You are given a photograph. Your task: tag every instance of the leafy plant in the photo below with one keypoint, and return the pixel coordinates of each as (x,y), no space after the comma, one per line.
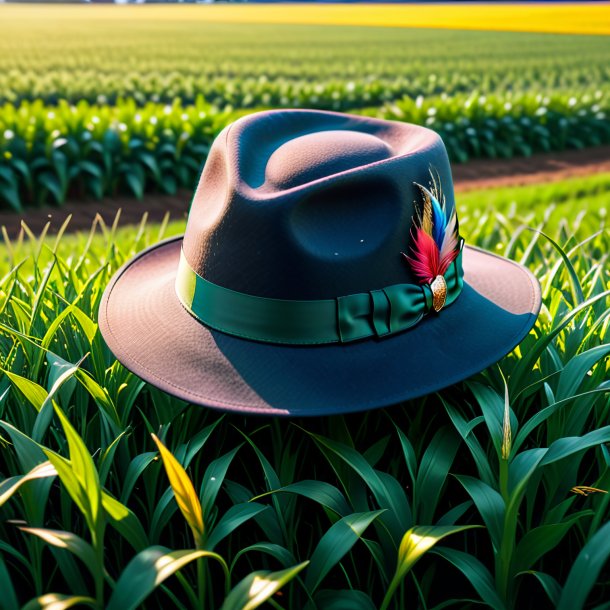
(53,153)
(231,512)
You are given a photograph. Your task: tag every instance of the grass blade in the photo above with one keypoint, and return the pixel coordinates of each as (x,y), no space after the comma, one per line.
(256,588)
(147,570)
(184,492)
(335,543)
(586,569)
(414,544)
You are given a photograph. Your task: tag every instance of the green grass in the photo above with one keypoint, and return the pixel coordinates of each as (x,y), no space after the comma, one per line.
(364,511)
(574,205)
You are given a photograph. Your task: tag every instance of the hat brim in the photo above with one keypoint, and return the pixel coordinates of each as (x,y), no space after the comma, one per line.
(151,333)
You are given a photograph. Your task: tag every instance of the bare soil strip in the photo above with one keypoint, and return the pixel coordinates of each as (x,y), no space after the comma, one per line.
(478,174)
(541,168)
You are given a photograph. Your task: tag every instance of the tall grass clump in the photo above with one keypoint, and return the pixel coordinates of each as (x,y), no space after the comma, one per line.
(492,492)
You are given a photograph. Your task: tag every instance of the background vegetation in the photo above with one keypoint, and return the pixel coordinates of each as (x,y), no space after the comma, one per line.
(69,55)
(95,106)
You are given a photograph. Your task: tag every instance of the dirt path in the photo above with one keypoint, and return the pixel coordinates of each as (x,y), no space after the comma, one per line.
(479,174)
(546,167)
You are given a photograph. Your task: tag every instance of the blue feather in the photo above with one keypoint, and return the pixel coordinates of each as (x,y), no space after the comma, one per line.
(439,222)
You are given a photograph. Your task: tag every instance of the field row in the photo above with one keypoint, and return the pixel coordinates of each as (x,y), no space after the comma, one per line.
(51,153)
(290,89)
(246,66)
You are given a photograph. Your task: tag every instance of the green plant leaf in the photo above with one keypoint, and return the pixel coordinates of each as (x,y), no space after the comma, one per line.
(465,429)
(490,505)
(10,194)
(475,572)
(432,473)
(577,293)
(136,467)
(213,478)
(69,541)
(585,570)
(58,601)
(398,513)
(105,461)
(45,415)
(408,452)
(79,476)
(572,375)
(258,587)
(49,182)
(540,540)
(125,522)
(34,393)
(323,493)
(102,399)
(336,542)
(492,407)
(414,544)
(9,486)
(551,587)
(231,520)
(9,596)
(564,447)
(136,182)
(147,570)
(346,599)
(283,555)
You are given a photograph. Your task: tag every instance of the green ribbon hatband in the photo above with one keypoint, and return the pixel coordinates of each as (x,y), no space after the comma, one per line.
(376,313)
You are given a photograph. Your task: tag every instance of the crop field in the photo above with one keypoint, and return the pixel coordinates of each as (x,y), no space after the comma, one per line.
(496,488)
(96,101)
(77,53)
(113,495)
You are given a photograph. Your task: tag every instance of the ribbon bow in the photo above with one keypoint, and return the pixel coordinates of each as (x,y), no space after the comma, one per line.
(394,309)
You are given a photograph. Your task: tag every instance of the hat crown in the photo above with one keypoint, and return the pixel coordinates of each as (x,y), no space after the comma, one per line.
(297,204)
(323,153)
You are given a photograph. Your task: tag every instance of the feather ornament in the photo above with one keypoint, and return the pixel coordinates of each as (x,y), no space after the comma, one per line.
(435,239)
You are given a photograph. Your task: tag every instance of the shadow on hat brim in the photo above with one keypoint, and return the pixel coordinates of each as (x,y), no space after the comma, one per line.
(150,333)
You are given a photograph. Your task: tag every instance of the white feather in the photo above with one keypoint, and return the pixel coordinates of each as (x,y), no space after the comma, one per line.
(450,239)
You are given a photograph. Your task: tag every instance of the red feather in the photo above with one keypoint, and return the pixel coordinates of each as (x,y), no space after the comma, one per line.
(446,261)
(425,260)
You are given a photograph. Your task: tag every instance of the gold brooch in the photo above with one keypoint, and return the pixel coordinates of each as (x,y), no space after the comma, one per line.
(439,292)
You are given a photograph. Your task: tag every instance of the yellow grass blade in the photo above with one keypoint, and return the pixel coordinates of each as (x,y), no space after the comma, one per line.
(185,494)
(584,490)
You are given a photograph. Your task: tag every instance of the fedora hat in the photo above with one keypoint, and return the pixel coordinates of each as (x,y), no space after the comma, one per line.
(321,271)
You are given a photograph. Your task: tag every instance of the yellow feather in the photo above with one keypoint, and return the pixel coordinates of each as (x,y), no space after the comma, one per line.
(426,217)
(437,189)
